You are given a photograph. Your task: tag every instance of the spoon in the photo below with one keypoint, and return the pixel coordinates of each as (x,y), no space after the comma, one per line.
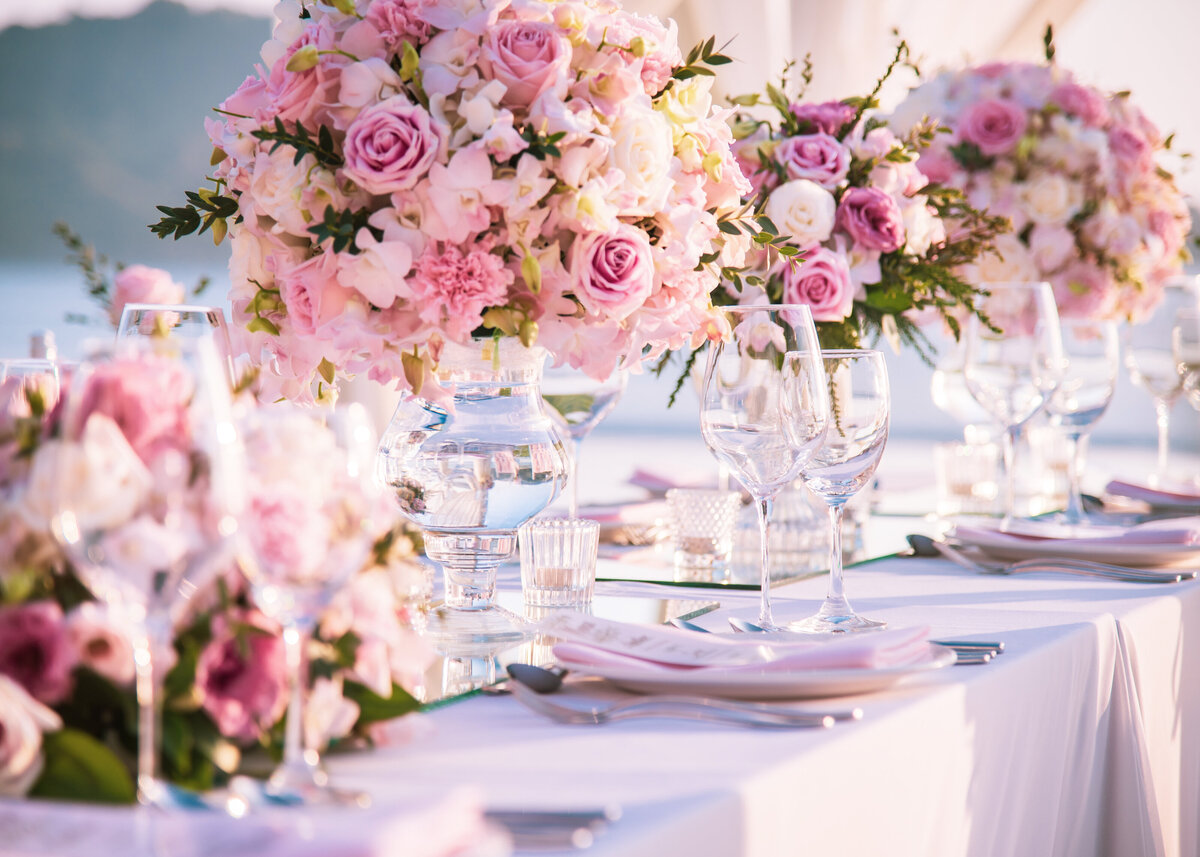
(685,625)
(537,679)
(922,545)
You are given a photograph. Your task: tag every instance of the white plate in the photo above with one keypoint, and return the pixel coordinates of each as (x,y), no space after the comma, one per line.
(744,684)
(1006,548)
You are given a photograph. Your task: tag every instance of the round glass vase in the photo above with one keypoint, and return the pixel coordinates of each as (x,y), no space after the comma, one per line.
(470,472)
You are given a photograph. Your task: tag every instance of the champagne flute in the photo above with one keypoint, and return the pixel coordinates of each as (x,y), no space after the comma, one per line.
(582,402)
(743,415)
(860,409)
(163,322)
(314,509)
(1013,362)
(1092,352)
(149,479)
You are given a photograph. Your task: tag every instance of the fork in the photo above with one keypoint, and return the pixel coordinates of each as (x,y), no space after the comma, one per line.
(687,707)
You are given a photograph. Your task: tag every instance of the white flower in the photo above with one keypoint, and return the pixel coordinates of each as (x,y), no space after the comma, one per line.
(642,150)
(22,721)
(447,62)
(802,210)
(922,227)
(686,103)
(1050,198)
(481,109)
(1010,262)
(293,195)
(327,713)
(368,82)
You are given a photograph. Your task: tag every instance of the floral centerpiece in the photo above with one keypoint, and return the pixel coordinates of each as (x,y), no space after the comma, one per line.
(399,174)
(868,242)
(1079,172)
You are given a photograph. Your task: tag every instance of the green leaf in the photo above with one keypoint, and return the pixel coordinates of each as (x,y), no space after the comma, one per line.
(258,323)
(374,708)
(728,228)
(78,767)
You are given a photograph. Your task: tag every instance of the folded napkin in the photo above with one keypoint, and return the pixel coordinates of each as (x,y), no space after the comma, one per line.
(587,641)
(661,483)
(1168,532)
(1153,496)
(646,512)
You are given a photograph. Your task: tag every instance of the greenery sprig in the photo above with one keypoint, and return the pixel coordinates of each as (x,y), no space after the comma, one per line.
(206,209)
(321,147)
(341,226)
(698,60)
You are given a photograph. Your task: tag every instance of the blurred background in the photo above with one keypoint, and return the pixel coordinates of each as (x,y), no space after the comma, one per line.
(103,102)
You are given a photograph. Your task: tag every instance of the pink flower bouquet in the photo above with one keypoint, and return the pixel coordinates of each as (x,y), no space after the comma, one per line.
(1078,172)
(398,174)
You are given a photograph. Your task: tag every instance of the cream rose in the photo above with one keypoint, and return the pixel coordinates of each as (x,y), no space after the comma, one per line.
(642,151)
(22,721)
(1010,262)
(802,210)
(1050,198)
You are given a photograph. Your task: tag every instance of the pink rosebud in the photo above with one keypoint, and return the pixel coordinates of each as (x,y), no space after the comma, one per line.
(822,282)
(528,57)
(828,117)
(391,146)
(612,273)
(872,218)
(138,284)
(243,683)
(35,651)
(1082,101)
(819,158)
(995,125)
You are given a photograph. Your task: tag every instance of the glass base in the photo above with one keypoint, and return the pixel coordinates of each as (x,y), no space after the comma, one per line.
(457,632)
(310,787)
(163,794)
(836,619)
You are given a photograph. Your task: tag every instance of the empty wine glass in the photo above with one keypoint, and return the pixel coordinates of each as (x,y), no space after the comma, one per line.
(1151,366)
(582,402)
(313,512)
(1185,348)
(1013,362)
(162,322)
(744,418)
(1093,357)
(845,461)
(148,477)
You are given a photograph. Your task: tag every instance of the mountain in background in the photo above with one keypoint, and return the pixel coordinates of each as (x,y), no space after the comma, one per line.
(101,120)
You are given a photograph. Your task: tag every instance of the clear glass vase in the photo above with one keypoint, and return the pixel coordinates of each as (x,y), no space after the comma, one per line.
(469,474)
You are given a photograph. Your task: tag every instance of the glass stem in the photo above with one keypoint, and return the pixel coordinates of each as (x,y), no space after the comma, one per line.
(837,588)
(295,760)
(157,632)
(1010,473)
(765,506)
(573,492)
(1073,514)
(1162,417)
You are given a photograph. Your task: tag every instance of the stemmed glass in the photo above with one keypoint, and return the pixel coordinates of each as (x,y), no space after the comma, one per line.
(1093,356)
(1013,362)
(149,487)
(582,402)
(860,409)
(744,418)
(1185,348)
(161,322)
(1151,366)
(313,513)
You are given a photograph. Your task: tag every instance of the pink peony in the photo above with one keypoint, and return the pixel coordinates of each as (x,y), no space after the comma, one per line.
(35,651)
(828,117)
(822,282)
(872,218)
(817,157)
(1082,101)
(612,273)
(453,289)
(995,125)
(391,146)
(528,57)
(138,284)
(242,678)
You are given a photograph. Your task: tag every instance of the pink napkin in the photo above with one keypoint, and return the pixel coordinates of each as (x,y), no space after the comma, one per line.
(1153,496)
(766,653)
(1172,531)
(661,483)
(626,513)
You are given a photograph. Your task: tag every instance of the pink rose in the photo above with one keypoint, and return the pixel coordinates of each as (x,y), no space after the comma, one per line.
(391,146)
(872,218)
(822,282)
(828,117)
(242,677)
(311,293)
(138,284)
(1170,228)
(1081,101)
(1130,148)
(1051,245)
(817,157)
(100,643)
(398,21)
(937,164)
(995,125)
(528,57)
(1084,290)
(612,273)
(146,397)
(295,96)
(34,650)
(453,289)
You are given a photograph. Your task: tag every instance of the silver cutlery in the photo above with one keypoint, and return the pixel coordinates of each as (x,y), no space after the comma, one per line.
(538,830)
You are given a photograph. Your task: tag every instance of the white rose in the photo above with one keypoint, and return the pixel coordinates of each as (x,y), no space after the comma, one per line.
(1010,262)
(642,150)
(686,102)
(1052,245)
(293,195)
(802,210)
(22,721)
(1050,198)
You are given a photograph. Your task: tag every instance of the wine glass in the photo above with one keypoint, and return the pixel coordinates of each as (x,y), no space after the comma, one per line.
(582,402)
(860,409)
(1013,362)
(744,417)
(313,513)
(149,489)
(1093,356)
(1185,348)
(163,322)
(1151,366)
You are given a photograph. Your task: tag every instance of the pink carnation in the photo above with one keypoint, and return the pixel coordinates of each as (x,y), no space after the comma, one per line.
(1081,101)
(828,117)
(35,651)
(242,677)
(817,157)
(453,289)
(822,282)
(139,284)
(995,125)
(872,218)
(398,21)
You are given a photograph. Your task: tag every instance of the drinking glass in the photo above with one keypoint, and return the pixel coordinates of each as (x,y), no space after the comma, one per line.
(744,418)
(1185,347)
(582,402)
(314,511)
(845,461)
(1093,357)
(164,322)
(1151,366)
(150,485)
(1013,362)
(30,386)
